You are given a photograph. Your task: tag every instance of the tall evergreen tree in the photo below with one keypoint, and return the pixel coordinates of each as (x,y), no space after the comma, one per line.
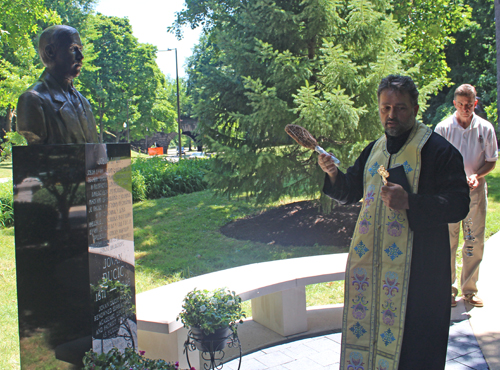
(265,64)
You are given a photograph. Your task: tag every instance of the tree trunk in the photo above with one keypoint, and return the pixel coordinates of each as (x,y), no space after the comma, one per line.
(497,28)
(8,119)
(101,125)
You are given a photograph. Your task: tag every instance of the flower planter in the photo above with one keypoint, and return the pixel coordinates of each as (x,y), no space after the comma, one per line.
(213,342)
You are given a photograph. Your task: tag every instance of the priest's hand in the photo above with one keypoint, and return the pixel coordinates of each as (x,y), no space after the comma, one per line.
(328,166)
(394,196)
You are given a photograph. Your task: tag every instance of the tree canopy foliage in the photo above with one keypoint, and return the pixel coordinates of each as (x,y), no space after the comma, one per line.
(18,59)
(430,27)
(471,59)
(123,82)
(317,63)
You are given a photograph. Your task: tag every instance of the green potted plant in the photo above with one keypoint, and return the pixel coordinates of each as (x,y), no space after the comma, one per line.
(127,360)
(211,317)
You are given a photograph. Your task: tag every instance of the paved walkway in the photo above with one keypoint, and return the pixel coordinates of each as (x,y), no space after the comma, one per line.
(323,352)
(474,341)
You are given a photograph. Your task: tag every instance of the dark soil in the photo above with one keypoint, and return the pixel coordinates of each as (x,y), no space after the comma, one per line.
(297,224)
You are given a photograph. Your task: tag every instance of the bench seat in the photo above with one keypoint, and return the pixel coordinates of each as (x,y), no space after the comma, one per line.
(275,288)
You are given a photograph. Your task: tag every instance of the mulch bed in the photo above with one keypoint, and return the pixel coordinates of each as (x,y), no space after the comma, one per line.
(297,224)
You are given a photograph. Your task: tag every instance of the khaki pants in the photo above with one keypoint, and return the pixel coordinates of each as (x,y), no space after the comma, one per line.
(473,231)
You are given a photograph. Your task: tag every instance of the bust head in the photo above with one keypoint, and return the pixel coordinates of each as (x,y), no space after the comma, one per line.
(60,49)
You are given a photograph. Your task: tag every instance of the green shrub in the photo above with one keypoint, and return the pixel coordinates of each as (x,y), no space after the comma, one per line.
(6,204)
(152,178)
(139,188)
(156,177)
(129,360)
(11,138)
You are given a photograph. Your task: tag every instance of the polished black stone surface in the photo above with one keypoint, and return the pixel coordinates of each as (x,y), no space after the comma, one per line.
(74,252)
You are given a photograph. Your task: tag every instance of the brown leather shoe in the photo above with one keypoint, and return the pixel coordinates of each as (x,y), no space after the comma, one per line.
(454,292)
(473,300)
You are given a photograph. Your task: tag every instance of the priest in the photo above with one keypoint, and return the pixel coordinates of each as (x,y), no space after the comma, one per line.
(397,285)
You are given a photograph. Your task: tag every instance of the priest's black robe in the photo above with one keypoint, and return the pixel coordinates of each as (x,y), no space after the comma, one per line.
(442,198)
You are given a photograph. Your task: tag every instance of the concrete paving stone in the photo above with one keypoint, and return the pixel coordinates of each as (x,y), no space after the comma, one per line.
(465,338)
(300,351)
(450,355)
(460,328)
(279,367)
(231,365)
(453,365)
(299,345)
(254,354)
(334,366)
(326,358)
(462,347)
(322,344)
(277,348)
(274,359)
(252,364)
(474,360)
(303,364)
(336,337)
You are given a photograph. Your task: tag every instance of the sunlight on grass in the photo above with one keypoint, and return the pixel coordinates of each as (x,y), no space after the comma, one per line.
(9,340)
(187,235)
(6,169)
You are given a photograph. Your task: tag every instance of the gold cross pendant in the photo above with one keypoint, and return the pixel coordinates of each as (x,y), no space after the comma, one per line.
(383,173)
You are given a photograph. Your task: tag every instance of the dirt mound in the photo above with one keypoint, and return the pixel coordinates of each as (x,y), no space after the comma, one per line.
(297,224)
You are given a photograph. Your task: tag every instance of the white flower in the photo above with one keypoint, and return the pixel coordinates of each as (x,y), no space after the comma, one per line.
(230,302)
(203,308)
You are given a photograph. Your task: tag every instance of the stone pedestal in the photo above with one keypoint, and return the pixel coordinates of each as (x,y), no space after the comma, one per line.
(74,252)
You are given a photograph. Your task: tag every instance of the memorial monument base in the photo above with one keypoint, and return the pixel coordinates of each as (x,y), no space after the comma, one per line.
(74,252)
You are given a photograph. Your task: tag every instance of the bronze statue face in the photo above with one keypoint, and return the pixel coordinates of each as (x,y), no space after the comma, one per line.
(66,54)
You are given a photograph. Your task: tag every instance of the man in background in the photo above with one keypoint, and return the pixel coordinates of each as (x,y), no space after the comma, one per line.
(52,111)
(475,138)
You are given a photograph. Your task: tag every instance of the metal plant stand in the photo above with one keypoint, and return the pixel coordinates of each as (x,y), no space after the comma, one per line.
(212,352)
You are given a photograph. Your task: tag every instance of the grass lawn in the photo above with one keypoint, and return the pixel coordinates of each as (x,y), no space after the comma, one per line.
(178,237)
(6,169)
(135,154)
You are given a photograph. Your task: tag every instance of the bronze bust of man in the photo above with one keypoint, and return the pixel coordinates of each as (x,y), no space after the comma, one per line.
(51,111)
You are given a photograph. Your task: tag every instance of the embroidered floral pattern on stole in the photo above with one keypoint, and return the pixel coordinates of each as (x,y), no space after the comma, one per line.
(369,198)
(364,224)
(395,225)
(407,167)
(389,312)
(393,251)
(355,361)
(387,337)
(382,365)
(360,283)
(357,330)
(388,309)
(391,283)
(373,169)
(360,279)
(361,249)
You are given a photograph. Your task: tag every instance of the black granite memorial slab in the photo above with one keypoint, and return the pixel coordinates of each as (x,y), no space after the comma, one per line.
(74,252)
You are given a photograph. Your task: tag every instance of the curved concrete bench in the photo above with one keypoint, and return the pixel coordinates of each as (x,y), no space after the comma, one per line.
(276,289)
